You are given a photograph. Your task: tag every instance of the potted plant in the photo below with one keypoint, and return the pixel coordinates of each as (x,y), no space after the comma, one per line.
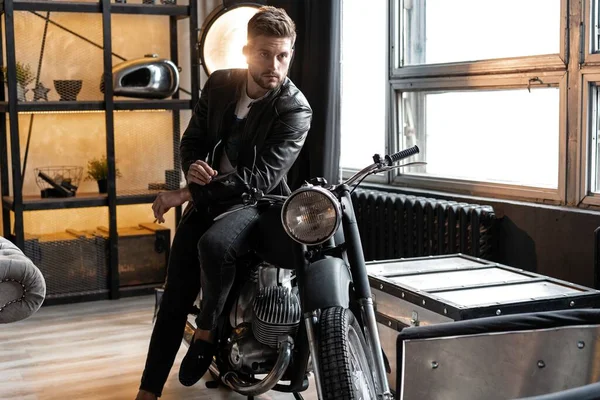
(24,77)
(97,170)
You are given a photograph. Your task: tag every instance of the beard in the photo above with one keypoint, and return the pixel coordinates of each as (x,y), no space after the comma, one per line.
(265,82)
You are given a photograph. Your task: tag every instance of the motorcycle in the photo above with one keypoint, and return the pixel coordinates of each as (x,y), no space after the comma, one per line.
(310,311)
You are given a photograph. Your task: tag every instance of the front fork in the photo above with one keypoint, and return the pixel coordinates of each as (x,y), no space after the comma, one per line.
(362,289)
(368,315)
(310,321)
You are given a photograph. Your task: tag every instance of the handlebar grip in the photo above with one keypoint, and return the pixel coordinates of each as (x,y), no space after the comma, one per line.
(411,151)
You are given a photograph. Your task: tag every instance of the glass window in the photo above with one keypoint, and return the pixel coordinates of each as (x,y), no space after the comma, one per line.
(442,31)
(594,142)
(595,31)
(502,136)
(364,82)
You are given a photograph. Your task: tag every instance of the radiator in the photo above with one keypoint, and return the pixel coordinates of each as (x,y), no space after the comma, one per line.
(395,225)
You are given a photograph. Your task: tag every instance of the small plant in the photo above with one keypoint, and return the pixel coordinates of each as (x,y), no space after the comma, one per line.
(24,73)
(97,169)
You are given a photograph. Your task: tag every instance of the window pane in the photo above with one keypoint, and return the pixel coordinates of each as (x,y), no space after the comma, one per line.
(503,136)
(595,31)
(594,150)
(442,31)
(364,81)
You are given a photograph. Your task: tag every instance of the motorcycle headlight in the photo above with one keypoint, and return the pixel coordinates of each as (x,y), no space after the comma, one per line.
(311,215)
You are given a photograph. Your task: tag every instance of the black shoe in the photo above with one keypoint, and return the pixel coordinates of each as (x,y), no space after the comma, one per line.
(196,362)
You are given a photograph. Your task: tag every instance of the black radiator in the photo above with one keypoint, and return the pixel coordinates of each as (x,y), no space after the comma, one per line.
(395,225)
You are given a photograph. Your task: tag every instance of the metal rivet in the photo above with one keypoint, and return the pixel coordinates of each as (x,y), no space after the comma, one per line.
(423,302)
(445,311)
(402,295)
(498,312)
(434,364)
(572,303)
(580,344)
(381,286)
(541,364)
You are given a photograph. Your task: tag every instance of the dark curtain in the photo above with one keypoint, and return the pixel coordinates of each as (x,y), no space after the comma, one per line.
(316,71)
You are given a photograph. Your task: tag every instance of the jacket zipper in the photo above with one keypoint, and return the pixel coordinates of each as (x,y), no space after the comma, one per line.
(254,161)
(213,152)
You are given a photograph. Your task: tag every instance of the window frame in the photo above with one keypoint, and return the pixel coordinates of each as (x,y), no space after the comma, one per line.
(587,124)
(547,62)
(502,73)
(480,188)
(587,55)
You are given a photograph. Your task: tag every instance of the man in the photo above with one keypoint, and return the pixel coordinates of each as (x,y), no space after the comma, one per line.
(247,130)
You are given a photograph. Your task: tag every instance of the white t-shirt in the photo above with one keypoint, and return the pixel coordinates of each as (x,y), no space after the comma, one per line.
(241,111)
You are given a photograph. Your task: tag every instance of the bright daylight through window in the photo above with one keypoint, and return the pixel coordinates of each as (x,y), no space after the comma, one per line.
(456,89)
(442,31)
(504,135)
(494,136)
(364,82)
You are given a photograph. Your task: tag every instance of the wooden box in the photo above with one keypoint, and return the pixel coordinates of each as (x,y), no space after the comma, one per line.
(71,261)
(143,253)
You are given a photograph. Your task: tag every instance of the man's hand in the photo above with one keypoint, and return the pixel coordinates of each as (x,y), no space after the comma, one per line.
(200,173)
(165,200)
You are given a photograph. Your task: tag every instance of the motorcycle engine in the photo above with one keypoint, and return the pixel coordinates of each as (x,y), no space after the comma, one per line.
(248,355)
(276,314)
(267,308)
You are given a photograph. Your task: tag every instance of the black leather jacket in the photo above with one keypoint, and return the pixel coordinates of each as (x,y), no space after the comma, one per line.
(274,133)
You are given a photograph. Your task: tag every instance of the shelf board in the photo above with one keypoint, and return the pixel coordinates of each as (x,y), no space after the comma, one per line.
(96,7)
(137,197)
(81,200)
(63,6)
(139,290)
(167,104)
(86,106)
(76,297)
(59,106)
(150,9)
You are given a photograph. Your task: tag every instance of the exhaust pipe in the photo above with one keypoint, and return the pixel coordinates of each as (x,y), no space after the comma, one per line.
(283,361)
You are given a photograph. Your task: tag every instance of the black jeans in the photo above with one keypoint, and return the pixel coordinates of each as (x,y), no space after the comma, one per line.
(219,243)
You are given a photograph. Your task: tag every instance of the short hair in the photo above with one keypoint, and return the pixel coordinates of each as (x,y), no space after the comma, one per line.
(271,21)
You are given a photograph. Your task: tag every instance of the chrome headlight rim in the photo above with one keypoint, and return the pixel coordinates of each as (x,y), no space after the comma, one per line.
(332,199)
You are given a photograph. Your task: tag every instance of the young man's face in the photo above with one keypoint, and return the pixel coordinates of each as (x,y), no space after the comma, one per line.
(268,62)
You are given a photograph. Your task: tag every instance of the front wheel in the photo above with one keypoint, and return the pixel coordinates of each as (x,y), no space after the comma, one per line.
(342,354)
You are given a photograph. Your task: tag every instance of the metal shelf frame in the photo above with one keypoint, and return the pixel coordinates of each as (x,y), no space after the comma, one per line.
(16,203)
(98,7)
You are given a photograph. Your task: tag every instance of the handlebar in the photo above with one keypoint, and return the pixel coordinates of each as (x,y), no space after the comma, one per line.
(382,164)
(411,151)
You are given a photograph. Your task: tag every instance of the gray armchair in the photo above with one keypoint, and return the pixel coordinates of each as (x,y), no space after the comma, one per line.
(22,286)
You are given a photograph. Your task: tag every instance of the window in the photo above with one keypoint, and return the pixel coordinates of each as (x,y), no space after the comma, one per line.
(442,31)
(502,97)
(589,159)
(364,82)
(594,183)
(480,87)
(595,32)
(484,135)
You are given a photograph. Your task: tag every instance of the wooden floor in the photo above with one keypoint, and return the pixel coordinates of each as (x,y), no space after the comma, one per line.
(93,350)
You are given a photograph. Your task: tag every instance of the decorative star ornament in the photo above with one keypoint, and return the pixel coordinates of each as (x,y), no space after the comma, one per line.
(40,92)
